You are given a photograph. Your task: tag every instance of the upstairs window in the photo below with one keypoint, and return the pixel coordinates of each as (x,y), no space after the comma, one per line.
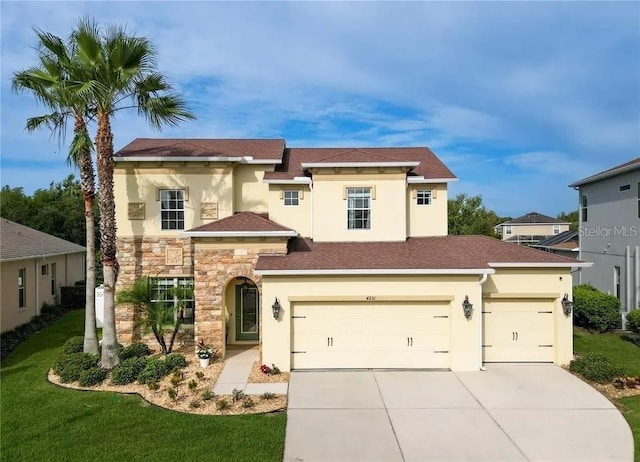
(423,197)
(22,276)
(175,293)
(625,187)
(291,198)
(172,208)
(358,208)
(583,207)
(556,229)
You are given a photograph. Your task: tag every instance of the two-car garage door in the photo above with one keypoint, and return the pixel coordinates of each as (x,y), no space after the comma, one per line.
(370,335)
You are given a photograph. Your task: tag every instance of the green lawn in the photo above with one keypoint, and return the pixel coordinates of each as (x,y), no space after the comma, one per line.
(40,421)
(625,355)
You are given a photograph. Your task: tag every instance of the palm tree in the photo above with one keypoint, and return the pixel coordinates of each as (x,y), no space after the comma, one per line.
(120,72)
(48,83)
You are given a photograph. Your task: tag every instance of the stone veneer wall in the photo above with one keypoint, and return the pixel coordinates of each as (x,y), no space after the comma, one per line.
(214,269)
(149,256)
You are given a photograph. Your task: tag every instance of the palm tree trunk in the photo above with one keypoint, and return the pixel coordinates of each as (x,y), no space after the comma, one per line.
(104,145)
(85,166)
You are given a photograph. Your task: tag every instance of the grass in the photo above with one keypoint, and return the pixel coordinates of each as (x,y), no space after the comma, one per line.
(623,354)
(40,421)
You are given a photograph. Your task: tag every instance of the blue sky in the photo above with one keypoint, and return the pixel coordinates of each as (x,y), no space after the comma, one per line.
(518,98)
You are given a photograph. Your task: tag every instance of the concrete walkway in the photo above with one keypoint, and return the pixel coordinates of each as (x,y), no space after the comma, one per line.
(237,368)
(508,413)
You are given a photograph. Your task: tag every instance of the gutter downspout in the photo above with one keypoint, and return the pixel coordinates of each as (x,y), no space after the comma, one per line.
(628,298)
(483,279)
(313,199)
(37,278)
(637,277)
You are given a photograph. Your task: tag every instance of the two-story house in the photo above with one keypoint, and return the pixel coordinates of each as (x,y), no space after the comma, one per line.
(331,258)
(531,228)
(610,232)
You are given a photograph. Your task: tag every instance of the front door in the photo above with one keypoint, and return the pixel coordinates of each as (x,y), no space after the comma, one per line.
(247,319)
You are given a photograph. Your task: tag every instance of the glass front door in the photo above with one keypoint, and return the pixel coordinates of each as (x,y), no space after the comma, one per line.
(247,314)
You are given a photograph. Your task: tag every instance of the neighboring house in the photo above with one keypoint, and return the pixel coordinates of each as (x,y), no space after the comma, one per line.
(531,228)
(610,232)
(330,258)
(33,267)
(566,244)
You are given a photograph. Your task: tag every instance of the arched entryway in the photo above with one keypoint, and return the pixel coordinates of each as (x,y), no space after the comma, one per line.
(242,312)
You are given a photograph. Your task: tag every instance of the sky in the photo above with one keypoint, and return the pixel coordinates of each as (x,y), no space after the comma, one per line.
(518,99)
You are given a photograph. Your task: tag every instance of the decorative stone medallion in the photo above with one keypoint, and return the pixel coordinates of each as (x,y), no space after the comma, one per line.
(209,211)
(135,210)
(173,256)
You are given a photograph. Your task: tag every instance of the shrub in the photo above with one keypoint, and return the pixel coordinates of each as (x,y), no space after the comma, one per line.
(56,310)
(222,405)
(135,350)
(595,367)
(153,371)
(265,369)
(69,366)
(194,404)
(200,375)
(248,403)
(175,380)
(237,395)
(266,396)
(193,385)
(11,339)
(174,360)
(633,321)
(73,345)
(153,386)
(91,377)
(595,310)
(208,395)
(128,370)
(173,394)
(274,370)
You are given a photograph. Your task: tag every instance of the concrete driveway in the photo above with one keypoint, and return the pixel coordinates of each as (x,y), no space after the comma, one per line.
(508,413)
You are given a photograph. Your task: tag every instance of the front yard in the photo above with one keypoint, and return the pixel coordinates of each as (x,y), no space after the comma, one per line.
(626,356)
(40,421)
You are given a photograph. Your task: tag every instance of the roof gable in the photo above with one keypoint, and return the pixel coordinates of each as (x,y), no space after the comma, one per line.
(532,218)
(241,222)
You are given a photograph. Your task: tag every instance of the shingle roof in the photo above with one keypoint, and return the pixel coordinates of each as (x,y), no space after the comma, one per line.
(18,242)
(613,171)
(430,166)
(445,252)
(534,218)
(263,149)
(242,221)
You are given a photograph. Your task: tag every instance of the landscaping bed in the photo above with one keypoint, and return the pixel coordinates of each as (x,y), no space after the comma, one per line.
(258,376)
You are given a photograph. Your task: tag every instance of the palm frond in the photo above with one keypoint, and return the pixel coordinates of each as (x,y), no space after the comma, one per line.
(81,145)
(164,110)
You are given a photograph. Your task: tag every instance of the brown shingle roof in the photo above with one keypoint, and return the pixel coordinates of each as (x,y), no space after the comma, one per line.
(430,166)
(445,252)
(242,221)
(534,218)
(265,149)
(18,242)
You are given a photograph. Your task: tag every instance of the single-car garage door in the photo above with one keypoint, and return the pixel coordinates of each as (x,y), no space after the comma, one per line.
(378,335)
(518,331)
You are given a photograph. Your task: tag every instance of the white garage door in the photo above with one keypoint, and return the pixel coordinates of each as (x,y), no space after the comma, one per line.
(330,335)
(518,331)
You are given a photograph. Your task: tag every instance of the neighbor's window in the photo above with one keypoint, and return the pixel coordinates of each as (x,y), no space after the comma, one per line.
(616,281)
(44,269)
(625,187)
(358,208)
(178,293)
(22,276)
(507,229)
(556,229)
(583,207)
(53,278)
(172,208)
(423,197)
(291,197)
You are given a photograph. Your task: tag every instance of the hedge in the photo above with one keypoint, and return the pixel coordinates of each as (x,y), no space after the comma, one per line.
(595,310)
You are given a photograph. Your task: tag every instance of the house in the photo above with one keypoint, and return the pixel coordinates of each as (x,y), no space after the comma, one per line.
(531,228)
(566,244)
(610,232)
(330,258)
(33,267)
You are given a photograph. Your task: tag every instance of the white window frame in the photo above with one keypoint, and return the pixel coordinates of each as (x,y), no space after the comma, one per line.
(44,270)
(178,219)
(353,196)
(424,197)
(584,208)
(291,197)
(22,293)
(171,282)
(556,229)
(508,229)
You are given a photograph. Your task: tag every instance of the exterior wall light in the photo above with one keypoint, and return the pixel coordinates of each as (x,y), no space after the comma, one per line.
(467,307)
(245,287)
(567,305)
(276,307)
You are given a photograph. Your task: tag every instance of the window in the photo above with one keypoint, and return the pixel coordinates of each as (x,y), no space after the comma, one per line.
(507,229)
(22,276)
(172,208)
(291,198)
(583,207)
(53,279)
(178,293)
(44,269)
(616,281)
(423,197)
(358,208)
(625,187)
(556,229)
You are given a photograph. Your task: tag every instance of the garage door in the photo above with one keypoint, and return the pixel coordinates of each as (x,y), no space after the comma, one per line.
(329,335)
(518,331)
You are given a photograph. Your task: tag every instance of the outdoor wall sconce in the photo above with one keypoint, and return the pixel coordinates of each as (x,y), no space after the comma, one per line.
(467,307)
(245,287)
(276,307)
(567,305)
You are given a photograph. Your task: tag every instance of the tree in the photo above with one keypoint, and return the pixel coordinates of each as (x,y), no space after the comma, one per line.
(571,218)
(467,215)
(15,205)
(119,72)
(50,84)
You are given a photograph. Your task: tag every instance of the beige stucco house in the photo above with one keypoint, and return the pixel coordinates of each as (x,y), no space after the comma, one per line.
(33,267)
(531,228)
(330,258)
